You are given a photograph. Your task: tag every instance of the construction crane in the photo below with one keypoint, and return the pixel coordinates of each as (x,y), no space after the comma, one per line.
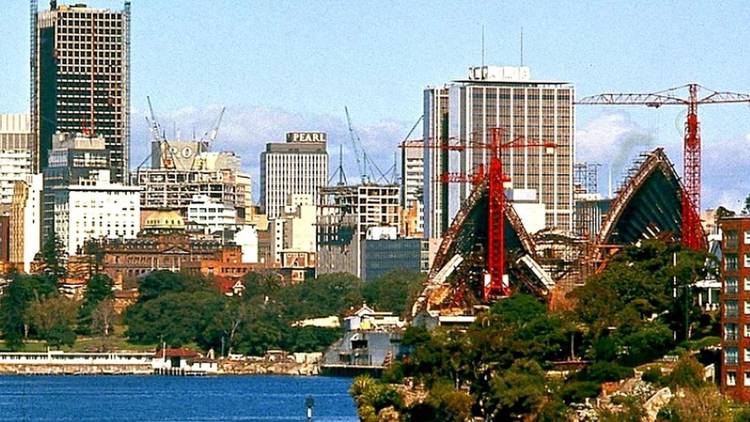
(692,233)
(493,285)
(153,124)
(211,134)
(355,146)
(158,135)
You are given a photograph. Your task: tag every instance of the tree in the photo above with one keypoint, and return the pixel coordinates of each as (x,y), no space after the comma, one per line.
(263,282)
(54,257)
(99,288)
(160,282)
(102,318)
(520,390)
(395,291)
(688,373)
(21,291)
(704,404)
(329,294)
(53,318)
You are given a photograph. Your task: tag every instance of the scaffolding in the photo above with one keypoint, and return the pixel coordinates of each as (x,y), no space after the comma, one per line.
(35,165)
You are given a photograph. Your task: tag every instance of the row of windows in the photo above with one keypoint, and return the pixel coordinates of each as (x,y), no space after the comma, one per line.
(732,379)
(731,237)
(731,262)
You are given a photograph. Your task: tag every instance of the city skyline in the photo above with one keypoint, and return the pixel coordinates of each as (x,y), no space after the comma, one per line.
(272,84)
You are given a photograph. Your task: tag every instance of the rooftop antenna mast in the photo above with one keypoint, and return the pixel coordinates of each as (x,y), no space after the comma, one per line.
(340,169)
(522,46)
(482,48)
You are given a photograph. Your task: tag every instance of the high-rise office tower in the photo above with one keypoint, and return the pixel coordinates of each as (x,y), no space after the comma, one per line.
(15,155)
(505,97)
(298,166)
(80,79)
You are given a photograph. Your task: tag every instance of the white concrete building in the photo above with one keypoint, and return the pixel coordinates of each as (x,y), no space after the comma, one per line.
(15,155)
(412,172)
(294,229)
(533,111)
(212,215)
(26,221)
(94,210)
(247,239)
(299,166)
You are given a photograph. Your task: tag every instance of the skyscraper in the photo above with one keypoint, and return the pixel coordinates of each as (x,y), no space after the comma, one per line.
(80,79)
(533,111)
(15,155)
(299,166)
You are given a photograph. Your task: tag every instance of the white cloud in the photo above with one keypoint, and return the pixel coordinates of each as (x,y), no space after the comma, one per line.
(726,166)
(613,139)
(246,130)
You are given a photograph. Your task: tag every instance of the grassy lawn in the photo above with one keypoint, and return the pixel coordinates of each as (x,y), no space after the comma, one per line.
(85,344)
(116,341)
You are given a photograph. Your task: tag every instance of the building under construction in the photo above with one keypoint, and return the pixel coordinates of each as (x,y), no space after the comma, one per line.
(182,170)
(80,79)
(550,263)
(345,215)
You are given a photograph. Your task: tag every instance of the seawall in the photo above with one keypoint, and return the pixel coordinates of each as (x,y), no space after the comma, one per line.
(74,369)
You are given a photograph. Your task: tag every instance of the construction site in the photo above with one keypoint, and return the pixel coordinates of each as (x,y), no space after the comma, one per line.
(487,253)
(182,169)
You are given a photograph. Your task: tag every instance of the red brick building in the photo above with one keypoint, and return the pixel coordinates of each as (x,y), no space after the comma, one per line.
(735,306)
(225,262)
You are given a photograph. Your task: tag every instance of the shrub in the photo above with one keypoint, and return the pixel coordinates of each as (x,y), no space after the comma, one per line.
(578,391)
(653,375)
(605,371)
(393,374)
(687,373)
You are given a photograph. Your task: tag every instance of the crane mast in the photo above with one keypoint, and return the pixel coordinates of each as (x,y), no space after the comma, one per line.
(692,232)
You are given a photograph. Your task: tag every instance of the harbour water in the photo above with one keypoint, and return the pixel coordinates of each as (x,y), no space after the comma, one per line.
(157,398)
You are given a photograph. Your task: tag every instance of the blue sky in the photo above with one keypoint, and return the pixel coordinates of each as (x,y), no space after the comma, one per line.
(293,65)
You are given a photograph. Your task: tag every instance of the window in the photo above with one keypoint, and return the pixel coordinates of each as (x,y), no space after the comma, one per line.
(730,239)
(730,331)
(747,261)
(747,330)
(747,237)
(730,285)
(747,308)
(730,356)
(730,262)
(747,284)
(730,308)
(731,378)
(746,358)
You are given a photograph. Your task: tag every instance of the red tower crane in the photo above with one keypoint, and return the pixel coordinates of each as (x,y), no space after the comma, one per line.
(691,198)
(493,285)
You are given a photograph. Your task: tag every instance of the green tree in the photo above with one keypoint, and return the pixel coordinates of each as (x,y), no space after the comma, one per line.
(53,318)
(263,282)
(19,294)
(54,257)
(688,373)
(449,404)
(176,318)
(518,391)
(394,291)
(161,282)
(99,288)
(329,294)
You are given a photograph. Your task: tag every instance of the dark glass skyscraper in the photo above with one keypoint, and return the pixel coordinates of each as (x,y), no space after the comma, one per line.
(80,79)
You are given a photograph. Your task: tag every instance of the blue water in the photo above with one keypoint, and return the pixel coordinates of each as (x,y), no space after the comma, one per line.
(157,398)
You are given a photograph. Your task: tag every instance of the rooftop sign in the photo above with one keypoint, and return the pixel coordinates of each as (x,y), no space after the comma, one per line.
(314,137)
